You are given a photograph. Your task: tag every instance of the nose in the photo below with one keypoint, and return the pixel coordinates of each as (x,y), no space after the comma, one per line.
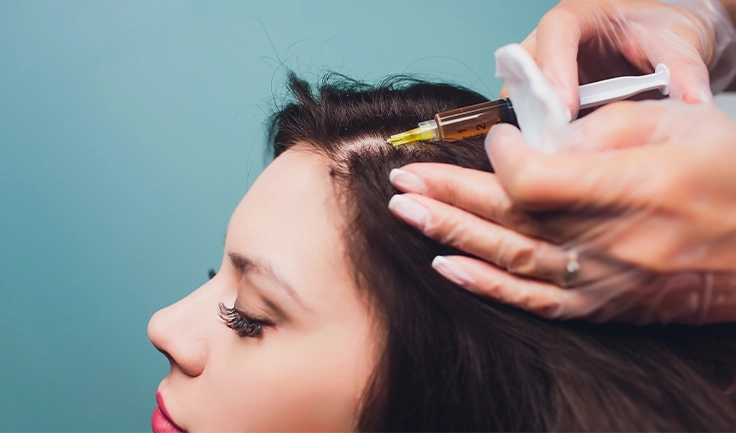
(181,332)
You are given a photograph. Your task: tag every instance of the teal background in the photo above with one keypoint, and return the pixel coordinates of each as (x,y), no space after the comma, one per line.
(129,131)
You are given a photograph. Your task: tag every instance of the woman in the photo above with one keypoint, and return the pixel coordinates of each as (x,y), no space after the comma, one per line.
(338,321)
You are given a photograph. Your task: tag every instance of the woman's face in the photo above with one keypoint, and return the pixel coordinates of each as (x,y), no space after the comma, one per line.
(286,265)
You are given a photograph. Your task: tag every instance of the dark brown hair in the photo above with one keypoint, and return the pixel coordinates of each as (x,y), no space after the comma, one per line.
(453,361)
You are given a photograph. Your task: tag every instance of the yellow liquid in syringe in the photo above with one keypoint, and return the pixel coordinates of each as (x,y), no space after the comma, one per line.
(460,123)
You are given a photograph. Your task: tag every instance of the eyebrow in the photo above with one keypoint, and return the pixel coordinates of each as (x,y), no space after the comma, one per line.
(247,264)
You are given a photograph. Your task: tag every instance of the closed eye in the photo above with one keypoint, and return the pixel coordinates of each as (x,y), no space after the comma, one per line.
(241,323)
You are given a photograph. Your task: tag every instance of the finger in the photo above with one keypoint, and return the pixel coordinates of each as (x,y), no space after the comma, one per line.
(658,303)
(557,40)
(489,281)
(503,247)
(475,191)
(530,46)
(535,181)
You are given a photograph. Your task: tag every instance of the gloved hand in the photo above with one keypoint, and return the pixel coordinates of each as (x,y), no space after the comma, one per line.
(582,41)
(636,222)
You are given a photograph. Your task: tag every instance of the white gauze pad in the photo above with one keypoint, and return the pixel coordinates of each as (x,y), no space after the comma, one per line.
(542,116)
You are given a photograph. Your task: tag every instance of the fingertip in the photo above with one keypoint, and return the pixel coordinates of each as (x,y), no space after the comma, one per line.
(476,276)
(396,172)
(453,272)
(493,283)
(503,141)
(692,96)
(510,156)
(706,97)
(573,108)
(690,84)
(410,211)
(497,135)
(701,96)
(407,181)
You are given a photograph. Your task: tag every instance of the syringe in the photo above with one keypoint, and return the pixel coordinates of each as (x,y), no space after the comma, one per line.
(460,123)
(478,119)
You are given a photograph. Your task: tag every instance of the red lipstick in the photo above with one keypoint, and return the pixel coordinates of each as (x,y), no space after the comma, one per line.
(161,421)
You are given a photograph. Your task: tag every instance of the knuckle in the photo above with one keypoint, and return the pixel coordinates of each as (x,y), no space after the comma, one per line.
(493,204)
(503,135)
(526,300)
(522,260)
(493,212)
(499,208)
(520,221)
(452,189)
(493,288)
(451,230)
(559,17)
(550,309)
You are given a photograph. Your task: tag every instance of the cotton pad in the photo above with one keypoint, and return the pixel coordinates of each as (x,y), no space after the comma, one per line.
(541,114)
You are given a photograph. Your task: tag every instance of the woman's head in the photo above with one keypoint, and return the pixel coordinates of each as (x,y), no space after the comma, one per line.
(341,323)
(301,344)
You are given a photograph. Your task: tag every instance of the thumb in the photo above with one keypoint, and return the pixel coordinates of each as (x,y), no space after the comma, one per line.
(558,37)
(538,181)
(515,163)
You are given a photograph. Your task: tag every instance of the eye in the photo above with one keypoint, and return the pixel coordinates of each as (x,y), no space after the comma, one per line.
(211,273)
(243,325)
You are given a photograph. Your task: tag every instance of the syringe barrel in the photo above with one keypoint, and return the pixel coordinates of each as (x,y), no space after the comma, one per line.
(474,120)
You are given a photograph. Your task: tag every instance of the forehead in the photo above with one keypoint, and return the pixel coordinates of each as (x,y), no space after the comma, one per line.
(291,218)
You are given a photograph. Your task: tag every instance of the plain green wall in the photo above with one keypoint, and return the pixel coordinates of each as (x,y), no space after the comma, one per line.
(129,131)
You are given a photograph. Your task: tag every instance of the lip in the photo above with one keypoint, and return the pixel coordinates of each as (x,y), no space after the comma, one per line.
(161,421)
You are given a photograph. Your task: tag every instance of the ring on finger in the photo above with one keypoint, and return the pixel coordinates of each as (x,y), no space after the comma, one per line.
(572,268)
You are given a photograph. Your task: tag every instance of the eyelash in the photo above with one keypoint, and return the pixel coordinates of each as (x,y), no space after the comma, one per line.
(243,325)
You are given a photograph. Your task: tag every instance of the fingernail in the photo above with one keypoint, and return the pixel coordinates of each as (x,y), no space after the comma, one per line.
(700,94)
(705,96)
(409,210)
(452,271)
(407,181)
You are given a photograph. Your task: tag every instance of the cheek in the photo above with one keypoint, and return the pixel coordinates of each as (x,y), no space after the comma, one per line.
(292,382)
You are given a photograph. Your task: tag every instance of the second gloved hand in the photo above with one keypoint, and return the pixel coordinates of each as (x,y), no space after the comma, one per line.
(582,41)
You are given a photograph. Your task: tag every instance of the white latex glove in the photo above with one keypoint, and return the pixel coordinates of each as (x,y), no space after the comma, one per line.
(582,41)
